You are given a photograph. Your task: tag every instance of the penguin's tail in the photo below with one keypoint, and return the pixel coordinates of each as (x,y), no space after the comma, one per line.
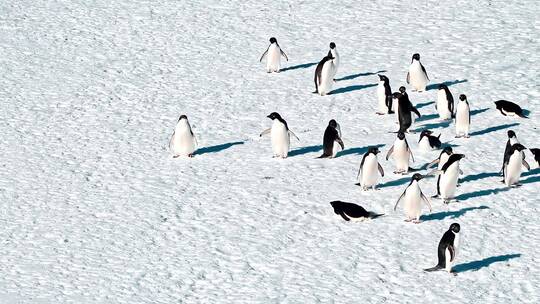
(375,215)
(323,156)
(434,268)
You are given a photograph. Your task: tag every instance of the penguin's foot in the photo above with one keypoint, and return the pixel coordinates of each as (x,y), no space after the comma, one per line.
(435,196)
(176,156)
(467,136)
(408,220)
(417,221)
(379,113)
(190,155)
(391,112)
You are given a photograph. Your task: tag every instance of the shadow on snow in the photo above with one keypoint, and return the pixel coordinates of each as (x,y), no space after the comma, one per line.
(451,214)
(299,66)
(352,88)
(217,148)
(353,76)
(435,86)
(305,150)
(477,265)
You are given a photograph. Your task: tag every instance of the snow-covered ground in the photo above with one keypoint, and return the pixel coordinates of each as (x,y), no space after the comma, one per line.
(93,208)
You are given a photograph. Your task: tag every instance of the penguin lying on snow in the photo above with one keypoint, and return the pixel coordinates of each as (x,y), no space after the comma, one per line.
(349,211)
(280,135)
(273,53)
(447,249)
(183,141)
(512,166)
(331,137)
(508,108)
(429,142)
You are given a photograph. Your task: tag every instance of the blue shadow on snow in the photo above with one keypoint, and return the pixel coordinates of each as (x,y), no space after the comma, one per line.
(493,129)
(475,177)
(217,148)
(352,88)
(353,76)
(421,105)
(299,66)
(451,214)
(435,86)
(357,150)
(305,150)
(478,111)
(477,265)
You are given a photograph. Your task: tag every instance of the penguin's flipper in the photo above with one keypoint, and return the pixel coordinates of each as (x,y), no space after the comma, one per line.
(283,54)
(373,215)
(389,152)
(435,161)
(264,54)
(526,164)
(435,268)
(408,78)
(399,199)
(412,156)
(424,69)
(265,132)
(171,140)
(426,200)
(435,172)
(340,142)
(415,110)
(292,133)
(381,171)
(344,216)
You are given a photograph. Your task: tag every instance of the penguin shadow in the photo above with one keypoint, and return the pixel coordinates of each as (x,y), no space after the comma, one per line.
(424,104)
(477,265)
(531,172)
(526,112)
(435,86)
(427,117)
(480,193)
(357,150)
(396,182)
(475,177)
(352,88)
(451,214)
(305,150)
(478,111)
(532,178)
(353,76)
(217,148)
(494,129)
(437,125)
(299,66)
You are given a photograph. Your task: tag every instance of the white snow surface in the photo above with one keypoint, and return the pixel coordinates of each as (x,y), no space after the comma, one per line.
(94,209)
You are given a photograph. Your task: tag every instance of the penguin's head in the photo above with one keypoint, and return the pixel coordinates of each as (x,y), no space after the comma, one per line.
(426,133)
(373,150)
(402,89)
(332,45)
(332,123)
(182,117)
(462,97)
(274,115)
(448,150)
(455,227)
(535,151)
(400,135)
(383,78)
(442,86)
(396,95)
(335,205)
(417,177)
(273,40)
(416,56)
(458,156)
(511,134)
(519,147)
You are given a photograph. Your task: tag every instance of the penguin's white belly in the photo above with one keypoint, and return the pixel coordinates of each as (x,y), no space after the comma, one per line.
(273,60)
(508,113)
(442,160)
(462,119)
(327,78)
(381,97)
(417,77)
(336,149)
(442,106)
(336,62)
(413,202)
(448,182)
(513,169)
(448,262)
(369,172)
(280,140)
(424,144)
(183,143)
(401,156)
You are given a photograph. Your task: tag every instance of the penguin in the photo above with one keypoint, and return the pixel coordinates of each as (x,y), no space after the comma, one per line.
(447,250)
(273,53)
(463,117)
(536,153)
(429,142)
(384,96)
(367,173)
(402,153)
(183,141)
(324,75)
(413,197)
(417,76)
(405,108)
(443,158)
(445,103)
(512,140)
(508,108)
(280,135)
(334,53)
(331,136)
(448,178)
(349,211)
(513,163)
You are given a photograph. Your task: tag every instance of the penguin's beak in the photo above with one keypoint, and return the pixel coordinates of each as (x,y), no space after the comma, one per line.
(269,116)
